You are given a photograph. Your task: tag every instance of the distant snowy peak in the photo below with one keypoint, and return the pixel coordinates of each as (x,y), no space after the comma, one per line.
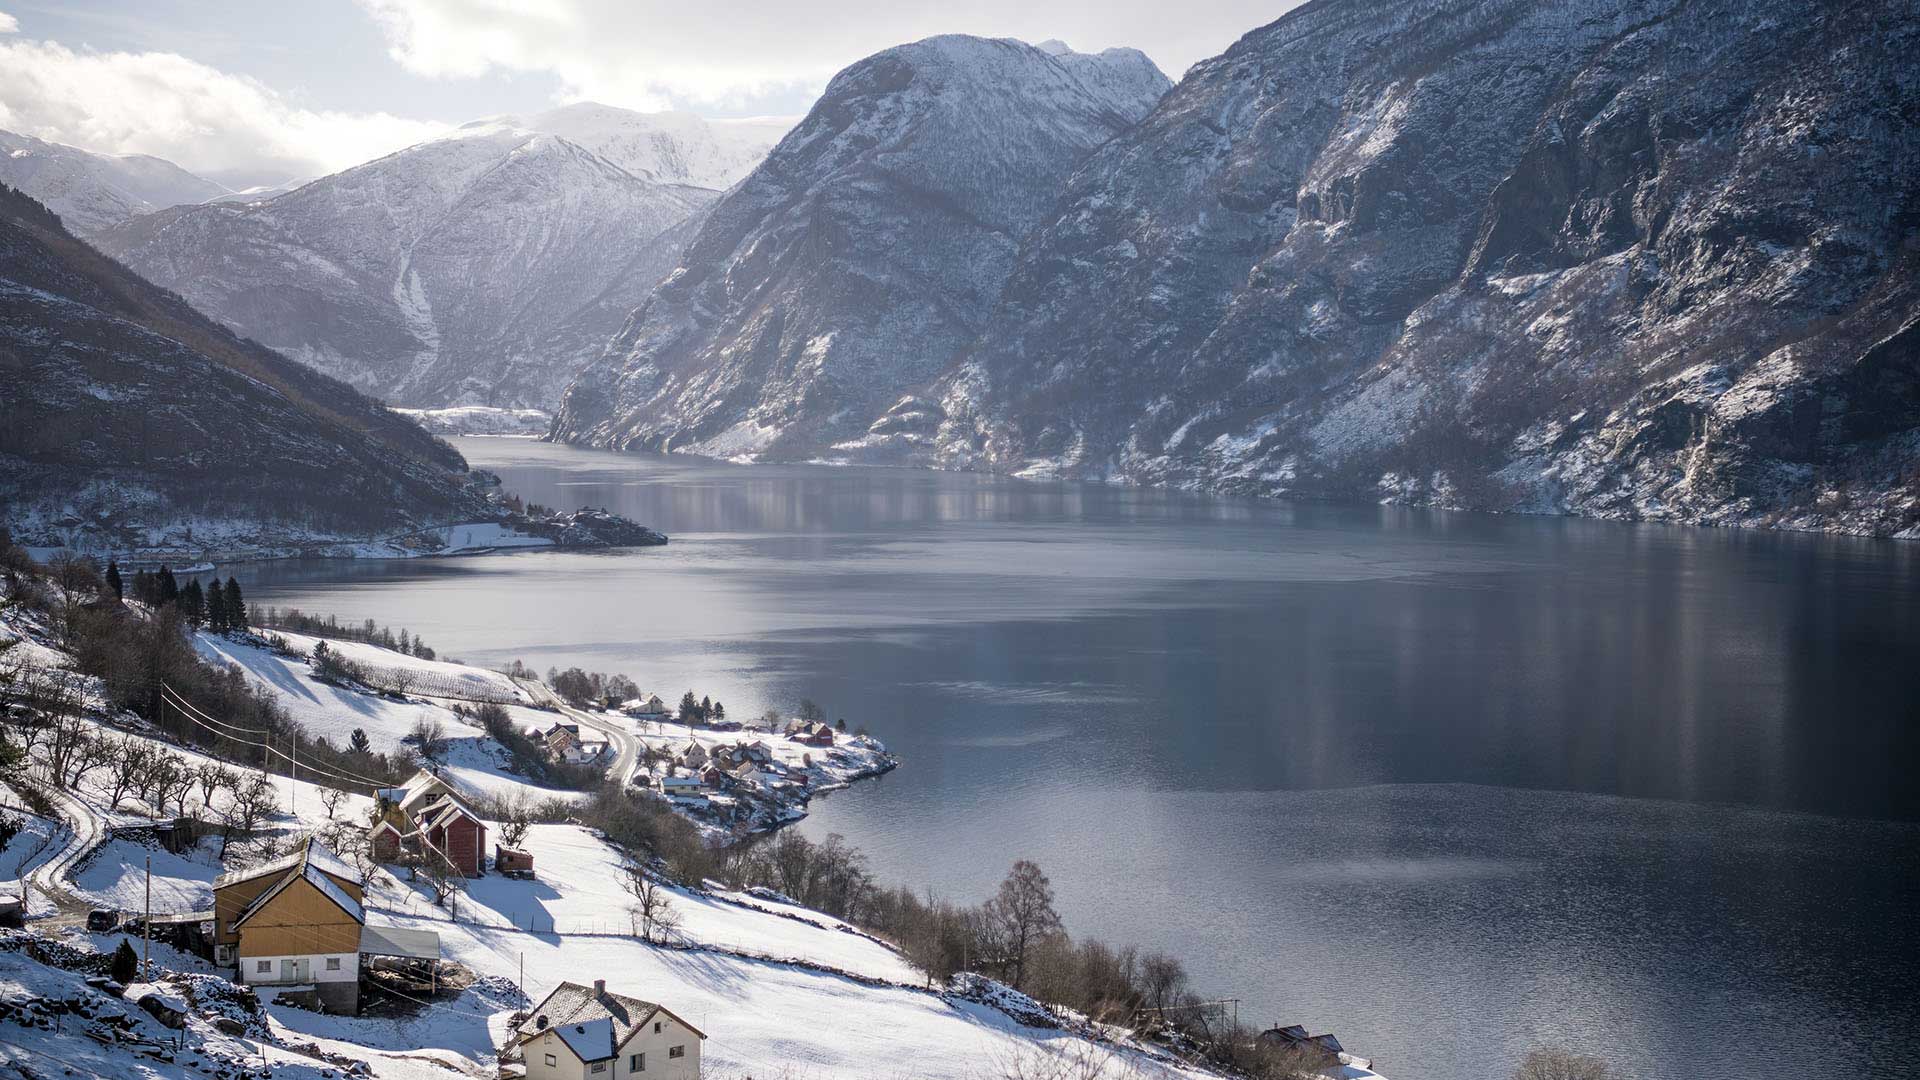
(669,147)
(870,245)
(93,191)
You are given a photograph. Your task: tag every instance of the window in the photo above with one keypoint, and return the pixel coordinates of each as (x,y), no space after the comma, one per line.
(636,1063)
(598,1066)
(333,963)
(676,1051)
(656,1027)
(263,967)
(550,1062)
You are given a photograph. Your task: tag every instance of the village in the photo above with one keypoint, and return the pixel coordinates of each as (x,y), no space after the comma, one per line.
(302,921)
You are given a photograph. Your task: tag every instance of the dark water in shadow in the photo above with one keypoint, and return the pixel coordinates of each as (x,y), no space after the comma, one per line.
(1448,785)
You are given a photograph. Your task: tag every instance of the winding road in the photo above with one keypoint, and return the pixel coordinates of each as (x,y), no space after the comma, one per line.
(49,877)
(626,745)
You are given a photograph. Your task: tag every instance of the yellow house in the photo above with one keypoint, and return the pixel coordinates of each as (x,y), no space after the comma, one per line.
(585,1033)
(295,921)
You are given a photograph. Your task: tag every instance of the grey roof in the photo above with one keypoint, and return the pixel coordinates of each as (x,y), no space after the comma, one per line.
(310,852)
(398,941)
(320,881)
(571,1005)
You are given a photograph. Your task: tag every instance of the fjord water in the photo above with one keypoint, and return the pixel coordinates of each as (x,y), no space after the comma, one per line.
(1447,785)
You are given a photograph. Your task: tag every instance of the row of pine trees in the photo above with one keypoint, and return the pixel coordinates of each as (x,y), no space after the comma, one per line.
(217,607)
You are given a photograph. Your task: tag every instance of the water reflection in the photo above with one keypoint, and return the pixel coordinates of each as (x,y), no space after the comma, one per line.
(1437,781)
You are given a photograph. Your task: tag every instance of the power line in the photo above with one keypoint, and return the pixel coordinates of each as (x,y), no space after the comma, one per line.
(200,719)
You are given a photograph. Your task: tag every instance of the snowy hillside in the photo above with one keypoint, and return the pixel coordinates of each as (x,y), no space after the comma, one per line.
(482,268)
(93,191)
(862,254)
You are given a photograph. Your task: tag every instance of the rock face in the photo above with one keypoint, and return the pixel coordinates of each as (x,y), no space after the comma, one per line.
(479,269)
(1639,259)
(132,420)
(863,255)
(93,191)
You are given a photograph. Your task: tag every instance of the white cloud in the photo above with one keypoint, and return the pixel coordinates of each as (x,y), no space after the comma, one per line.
(652,53)
(8,24)
(220,125)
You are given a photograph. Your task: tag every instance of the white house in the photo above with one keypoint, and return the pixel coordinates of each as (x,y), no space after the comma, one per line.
(585,1033)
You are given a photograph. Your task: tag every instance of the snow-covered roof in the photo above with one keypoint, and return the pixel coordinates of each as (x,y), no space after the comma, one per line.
(571,1005)
(309,852)
(591,1040)
(327,886)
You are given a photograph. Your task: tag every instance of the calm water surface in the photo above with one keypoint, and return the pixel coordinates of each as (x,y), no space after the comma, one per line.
(1448,785)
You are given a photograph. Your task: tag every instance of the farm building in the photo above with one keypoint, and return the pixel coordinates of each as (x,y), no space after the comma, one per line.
(425,816)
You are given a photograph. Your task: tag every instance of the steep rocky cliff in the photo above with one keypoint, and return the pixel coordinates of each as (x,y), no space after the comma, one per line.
(1645,259)
(863,255)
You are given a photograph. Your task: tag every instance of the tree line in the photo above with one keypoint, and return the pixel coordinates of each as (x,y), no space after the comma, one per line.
(330,626)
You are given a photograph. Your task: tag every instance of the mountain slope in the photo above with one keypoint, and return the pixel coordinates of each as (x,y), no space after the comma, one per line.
(93,191)
(482,268)
(1628,258)
(669,147)
(866,250)
(131,418)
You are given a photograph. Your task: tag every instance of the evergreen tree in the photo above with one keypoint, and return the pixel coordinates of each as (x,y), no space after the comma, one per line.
(358,743)
(193,604)
(143,587)
(125,967)
(216,613)
(113,580)
(169,589)
(706,709)
(689,708)
(236,607)
(719,712)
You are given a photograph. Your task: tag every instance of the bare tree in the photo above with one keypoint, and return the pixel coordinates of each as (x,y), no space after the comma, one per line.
(212,777)
(441,875)
(331,799)
(77,579)
(400,680)
(1076,1060)
(1163,979)
(1020,917)
(93,752)
(1553,1063)
(253,799)
(652,910)
(429,735)
(516,818)
(131,758)
(176,784)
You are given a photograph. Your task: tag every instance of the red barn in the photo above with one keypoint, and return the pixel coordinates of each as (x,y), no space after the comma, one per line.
(453,830)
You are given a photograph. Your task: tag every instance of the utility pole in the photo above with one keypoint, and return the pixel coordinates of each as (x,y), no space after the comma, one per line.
(293,792)
(520,984)
(146,928)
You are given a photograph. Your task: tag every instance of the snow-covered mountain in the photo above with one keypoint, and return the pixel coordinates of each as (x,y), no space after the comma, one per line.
(93,191)
(671,147)
(1627,258)
(867,249)
(132,420)
(482,268)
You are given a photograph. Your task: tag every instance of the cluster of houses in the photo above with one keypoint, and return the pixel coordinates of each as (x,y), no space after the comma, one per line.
(426,819)
(571,743)
(696,772)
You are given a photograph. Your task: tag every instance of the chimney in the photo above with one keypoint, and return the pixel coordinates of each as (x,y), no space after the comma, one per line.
(599,988)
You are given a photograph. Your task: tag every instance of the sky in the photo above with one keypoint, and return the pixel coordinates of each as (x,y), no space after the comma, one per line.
(263,92)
